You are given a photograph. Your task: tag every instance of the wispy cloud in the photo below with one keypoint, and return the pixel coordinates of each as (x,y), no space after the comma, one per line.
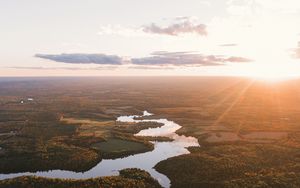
(141,67)
(64,68)
(184,25)
(235,59)
(162,58)
(128,31)
(179,26)
(228,45)
(80,58)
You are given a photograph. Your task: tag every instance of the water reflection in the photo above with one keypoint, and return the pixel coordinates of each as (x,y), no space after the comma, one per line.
(145,161)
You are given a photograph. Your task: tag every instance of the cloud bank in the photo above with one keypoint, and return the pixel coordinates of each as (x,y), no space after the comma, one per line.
(64,68)
(162,58)
(81,58)
(156,60)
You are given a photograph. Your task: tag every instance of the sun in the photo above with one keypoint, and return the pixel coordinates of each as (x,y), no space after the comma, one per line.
(269,72)
(273,75)
(272,78)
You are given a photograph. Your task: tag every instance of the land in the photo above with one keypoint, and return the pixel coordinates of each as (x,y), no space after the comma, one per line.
(248,129)
(62,129)
(128,178)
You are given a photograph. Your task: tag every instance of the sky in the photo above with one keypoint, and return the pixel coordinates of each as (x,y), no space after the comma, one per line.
(259,38)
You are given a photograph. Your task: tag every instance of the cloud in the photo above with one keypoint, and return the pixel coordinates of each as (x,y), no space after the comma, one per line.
(163,58)
(228,45)
(181,25)
(156,60)
(234,59)
(184,26)
(79,58)
(127,31)
(65,68)
(141,67)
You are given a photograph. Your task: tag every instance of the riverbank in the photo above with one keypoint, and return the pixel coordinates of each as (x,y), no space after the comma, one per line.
(128,178)
(176,145)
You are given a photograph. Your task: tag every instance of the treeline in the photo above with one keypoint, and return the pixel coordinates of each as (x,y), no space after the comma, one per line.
(239,165)
(128,178)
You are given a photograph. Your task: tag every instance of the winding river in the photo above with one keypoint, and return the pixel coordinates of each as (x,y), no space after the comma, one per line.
(145,161)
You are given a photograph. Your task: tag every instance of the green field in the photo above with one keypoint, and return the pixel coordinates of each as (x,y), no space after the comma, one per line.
(114,146)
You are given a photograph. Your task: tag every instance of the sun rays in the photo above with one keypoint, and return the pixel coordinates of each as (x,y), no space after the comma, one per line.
(235,102)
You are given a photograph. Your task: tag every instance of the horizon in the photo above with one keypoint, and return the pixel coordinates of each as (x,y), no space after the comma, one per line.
(110,93)
(206,38)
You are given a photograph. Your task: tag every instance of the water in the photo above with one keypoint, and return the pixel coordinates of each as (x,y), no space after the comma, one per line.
(145,161)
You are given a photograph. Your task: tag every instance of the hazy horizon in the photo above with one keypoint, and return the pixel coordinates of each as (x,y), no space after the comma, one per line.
(150,94)
(150,38)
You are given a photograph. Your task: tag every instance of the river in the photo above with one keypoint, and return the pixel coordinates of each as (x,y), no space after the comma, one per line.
(146,161)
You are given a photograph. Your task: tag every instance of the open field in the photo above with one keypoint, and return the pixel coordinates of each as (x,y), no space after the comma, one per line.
(112,147)
(248,130)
